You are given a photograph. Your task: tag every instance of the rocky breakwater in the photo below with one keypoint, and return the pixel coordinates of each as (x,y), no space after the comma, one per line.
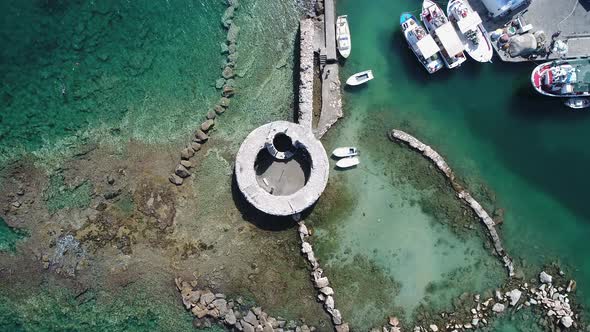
(226,84)
(321,282)
(550,301)
(463,194)
(306,72)
(209,307)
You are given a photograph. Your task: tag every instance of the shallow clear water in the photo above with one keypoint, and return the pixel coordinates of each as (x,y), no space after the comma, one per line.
(529,151)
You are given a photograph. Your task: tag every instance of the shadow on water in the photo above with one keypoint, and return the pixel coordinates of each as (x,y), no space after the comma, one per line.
(260,219)
(296,74)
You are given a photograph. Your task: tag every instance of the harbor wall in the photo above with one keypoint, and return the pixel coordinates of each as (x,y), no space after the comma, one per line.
(305,111)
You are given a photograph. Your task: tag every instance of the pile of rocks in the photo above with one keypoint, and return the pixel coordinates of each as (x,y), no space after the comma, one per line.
(442,165)
(205,305)
(226,83)
(551,300)
(321,282)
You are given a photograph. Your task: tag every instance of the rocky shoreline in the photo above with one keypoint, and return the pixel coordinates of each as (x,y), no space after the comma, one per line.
(226,83)
(209,307)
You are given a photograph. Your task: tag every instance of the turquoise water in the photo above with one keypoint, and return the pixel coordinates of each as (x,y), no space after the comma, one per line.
(514,149)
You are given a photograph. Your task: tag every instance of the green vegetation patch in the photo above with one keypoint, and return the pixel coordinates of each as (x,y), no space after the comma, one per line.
(9,237)
(58,195)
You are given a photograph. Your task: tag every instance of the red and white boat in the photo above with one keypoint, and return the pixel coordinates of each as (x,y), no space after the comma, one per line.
(563,78)
(437,23)
(473,35)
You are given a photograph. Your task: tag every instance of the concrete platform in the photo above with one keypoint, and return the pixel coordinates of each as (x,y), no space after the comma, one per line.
(571,17)
(262,139)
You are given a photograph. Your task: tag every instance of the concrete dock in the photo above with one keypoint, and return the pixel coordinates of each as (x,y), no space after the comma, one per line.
(570,17)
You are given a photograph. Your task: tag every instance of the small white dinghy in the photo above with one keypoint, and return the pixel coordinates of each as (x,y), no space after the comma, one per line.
(575,103)
(348,162)
(360,78)
(343,152)
(343,36)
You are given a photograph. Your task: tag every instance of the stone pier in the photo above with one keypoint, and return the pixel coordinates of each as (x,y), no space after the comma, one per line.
(306,69)
(463,194)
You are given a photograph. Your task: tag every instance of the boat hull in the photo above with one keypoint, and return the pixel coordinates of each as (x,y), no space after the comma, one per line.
(543,78)
(483,51)
(360,78)
(348,162)
(343,41)
(344,152)
(431,26)
(431,66)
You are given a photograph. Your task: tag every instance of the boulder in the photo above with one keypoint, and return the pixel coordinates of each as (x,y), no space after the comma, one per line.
(342,328)
(567,321)
(247,327)
(228,72)
(251,318)
(232,33)
(321,282)
(224,102)
(224,48)
(329,304)
(218,109)
(211,115)
(196,146)
(514,296)
(232,59)
(230,317)
(545,278)
(221,305)
(306,247)
(336,317)
(327,291)
(393,321)
(228,91)
(227,16)
(182,171)
(498,307)
(433,328)
(199,312)
(187,153)
(231,49)
(303,229)
(186,164)
(200,136)
(207,125)
(219,83)
(207,298)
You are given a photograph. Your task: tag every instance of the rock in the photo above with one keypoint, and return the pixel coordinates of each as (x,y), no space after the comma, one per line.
(110,180)
(207,125)
(232,33)
(195,146)
(227,16)
(211,115)
(306,247)
(228,72)
(175,179)
(247,327)
(221,305)
(571,286)
(232,48)
(303,229)
(433,328)
(267,328)
(514,296)
(567,321)
(329,304)
(200,136)
(207,298)
(182,171)
(545,278)
(251,318)
(218,109)
(336,317)
(230,317)
(224,102)
(109,194)
(327,291)
(219,83)
(186,163)
(232,59)
(321,282)
(342,328)
(187,153)
(199,312)
(498,307)
(228,91)
(393,321)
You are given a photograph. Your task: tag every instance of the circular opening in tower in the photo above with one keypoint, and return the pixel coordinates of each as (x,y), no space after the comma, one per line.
(282,142)
(282,177)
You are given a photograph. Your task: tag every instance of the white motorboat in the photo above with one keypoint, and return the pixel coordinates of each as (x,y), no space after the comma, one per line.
(343,41)
(348,162)
(437,23)
(577,103)
(343,152)
(360,78)
(421,43)
(563,78)
(473,35)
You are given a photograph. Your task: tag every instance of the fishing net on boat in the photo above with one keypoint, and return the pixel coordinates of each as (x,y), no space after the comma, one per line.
(522,45)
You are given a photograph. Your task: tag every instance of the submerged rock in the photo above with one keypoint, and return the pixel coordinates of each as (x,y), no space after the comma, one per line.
(545,278)
(182,171)
(207,125)
(498,307)
(200,136)
(514,296)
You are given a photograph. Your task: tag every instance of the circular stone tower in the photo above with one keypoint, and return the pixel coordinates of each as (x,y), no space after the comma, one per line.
(281,168)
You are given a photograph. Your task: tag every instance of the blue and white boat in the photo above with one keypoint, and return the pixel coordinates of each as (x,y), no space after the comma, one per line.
(421,43)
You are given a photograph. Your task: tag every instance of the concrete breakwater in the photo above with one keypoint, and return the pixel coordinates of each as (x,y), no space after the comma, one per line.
(207,306)
(306,72)
(463,194)
(320,281)
(226,83)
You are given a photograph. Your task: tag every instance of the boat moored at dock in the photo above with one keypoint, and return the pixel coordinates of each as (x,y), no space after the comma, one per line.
(577,103)
(360,78)
(348,162)
(343,36)
(473,35)
(437,23)
(563,78)
(421,43)
(348,151)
